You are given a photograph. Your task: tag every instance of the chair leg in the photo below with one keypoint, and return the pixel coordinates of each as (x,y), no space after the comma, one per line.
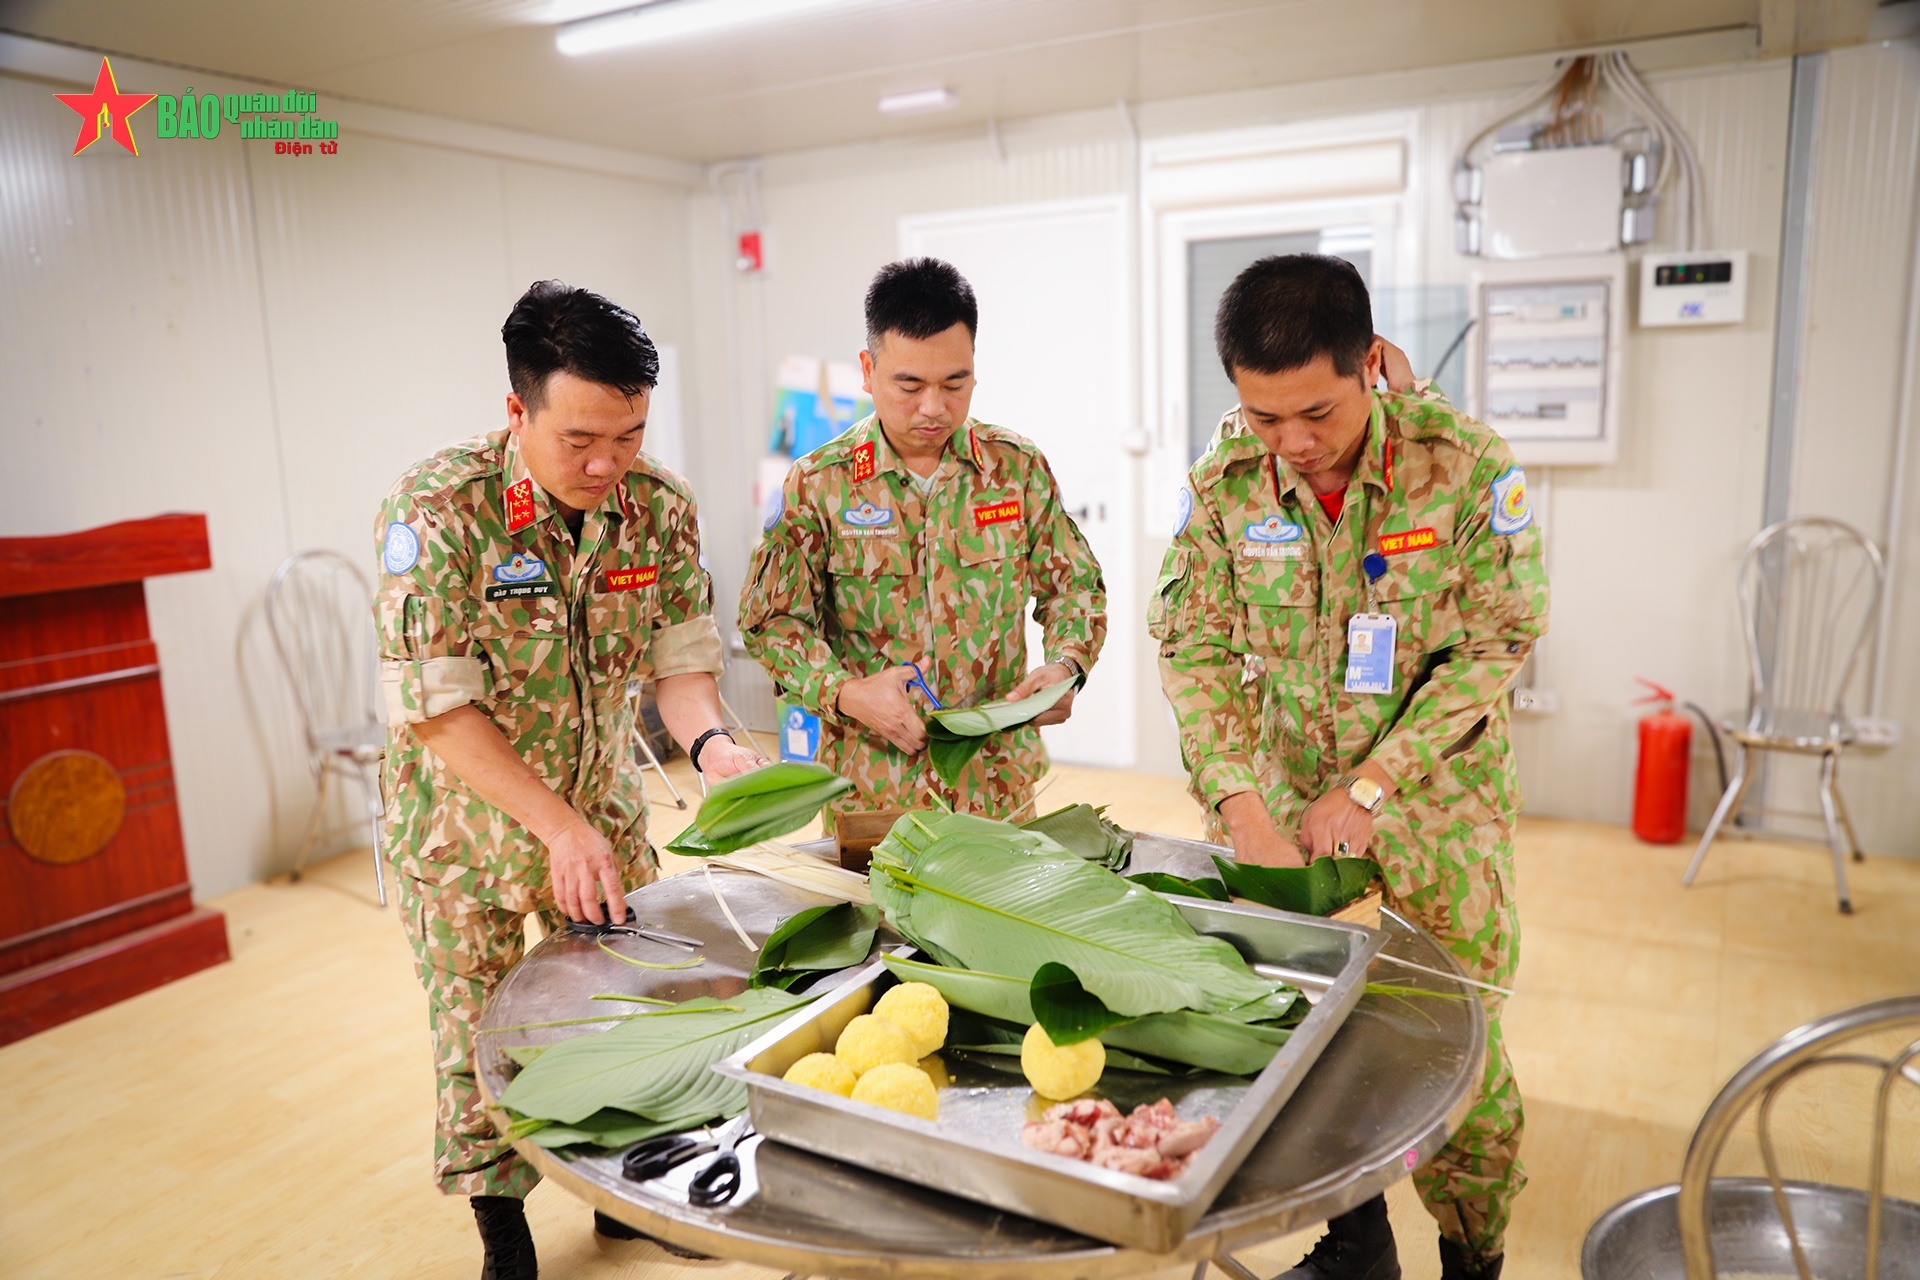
(1846,823)
(375,816)
(313,825)
(1729,803)
(1828,763)
(741,725)
(653,762)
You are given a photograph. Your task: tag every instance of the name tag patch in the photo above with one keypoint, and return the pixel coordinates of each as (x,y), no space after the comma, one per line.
(996,513)
(632,579)
(519,500)
(1370,653)
(1273,550)
(1393,544)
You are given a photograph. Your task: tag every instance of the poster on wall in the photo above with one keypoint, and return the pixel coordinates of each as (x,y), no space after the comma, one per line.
(813,401)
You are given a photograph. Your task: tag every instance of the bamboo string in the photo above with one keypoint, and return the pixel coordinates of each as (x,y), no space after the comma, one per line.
(727,911)
(1441,973)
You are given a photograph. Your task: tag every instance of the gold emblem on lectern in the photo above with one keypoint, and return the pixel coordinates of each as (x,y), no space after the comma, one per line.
(65,806)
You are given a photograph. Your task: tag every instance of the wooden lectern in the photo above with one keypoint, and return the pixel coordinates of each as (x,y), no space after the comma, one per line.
(94,900)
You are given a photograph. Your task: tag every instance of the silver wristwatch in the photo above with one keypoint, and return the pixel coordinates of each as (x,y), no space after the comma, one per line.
(1365,792)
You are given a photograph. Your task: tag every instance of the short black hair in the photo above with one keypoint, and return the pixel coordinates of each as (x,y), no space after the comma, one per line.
(1285,312)
(555,326)
(918,298)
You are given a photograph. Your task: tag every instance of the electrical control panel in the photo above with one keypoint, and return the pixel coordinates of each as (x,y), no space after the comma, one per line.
(1693,288)
(1539,204)
(1546,351)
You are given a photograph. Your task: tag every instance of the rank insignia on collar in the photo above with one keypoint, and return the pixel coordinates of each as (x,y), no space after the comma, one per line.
(1274,529)
(973,447)
(864,464)
(519,499)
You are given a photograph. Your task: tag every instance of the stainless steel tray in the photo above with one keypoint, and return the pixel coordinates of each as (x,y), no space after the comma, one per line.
(974,1150)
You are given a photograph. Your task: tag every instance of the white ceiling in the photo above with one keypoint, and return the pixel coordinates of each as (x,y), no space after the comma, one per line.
(814,80)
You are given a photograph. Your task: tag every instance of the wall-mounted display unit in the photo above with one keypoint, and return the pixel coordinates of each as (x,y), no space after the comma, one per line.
(1546,355)
(1700,287)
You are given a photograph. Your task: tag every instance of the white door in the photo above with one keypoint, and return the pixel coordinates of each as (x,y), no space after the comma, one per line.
(1054,364)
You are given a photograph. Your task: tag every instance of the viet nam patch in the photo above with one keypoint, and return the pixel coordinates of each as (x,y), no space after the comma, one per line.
(1393,544)
(996,513)
(632,579)
(524,575)
(1274,529)
(1183,507)
(1511,510)
(402,550)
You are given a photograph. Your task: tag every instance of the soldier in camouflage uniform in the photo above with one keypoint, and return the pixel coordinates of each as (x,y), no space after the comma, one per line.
(918,537)
(1323,505)
(532,578)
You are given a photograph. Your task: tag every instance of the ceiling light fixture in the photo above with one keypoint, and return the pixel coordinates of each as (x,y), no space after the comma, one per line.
(665,20)
(918,102)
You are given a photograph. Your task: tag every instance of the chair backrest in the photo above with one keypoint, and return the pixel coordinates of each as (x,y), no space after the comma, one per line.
(1810,588)
(320,610)
(1817,1044)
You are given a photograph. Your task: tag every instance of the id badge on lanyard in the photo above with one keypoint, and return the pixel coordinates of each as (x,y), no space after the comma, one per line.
(1370,638)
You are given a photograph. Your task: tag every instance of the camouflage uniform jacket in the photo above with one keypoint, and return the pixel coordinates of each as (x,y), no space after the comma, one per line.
(486,598)
(860,571)
(1252,607)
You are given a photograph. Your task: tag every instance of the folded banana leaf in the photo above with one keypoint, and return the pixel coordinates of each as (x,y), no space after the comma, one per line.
(990,896)
(1320,888)
(1195,1039)
(760,804)
(653,1067)
(1162,882)
(817,940)
(1085,830)
(956,734)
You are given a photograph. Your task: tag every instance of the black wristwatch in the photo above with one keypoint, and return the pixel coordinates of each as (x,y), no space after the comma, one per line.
(693,752)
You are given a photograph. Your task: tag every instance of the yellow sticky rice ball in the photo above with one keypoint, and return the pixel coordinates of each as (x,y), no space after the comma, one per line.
(899,1086)
(918,1010)
(936,1070)
(1060,1071)
(822,1071)
(870,1042)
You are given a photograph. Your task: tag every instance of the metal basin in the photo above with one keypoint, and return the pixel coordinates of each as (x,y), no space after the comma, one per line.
(1639,1238)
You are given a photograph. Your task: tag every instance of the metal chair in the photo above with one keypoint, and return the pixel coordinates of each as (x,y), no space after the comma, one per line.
(1809,590)
(320,608)
(1770,1226)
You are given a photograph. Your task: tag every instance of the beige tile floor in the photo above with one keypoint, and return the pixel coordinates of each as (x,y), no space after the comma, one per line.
(272,1117)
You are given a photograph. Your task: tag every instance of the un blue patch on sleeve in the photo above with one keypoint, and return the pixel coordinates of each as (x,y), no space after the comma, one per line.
(402,549)
(776,507)
(1183,506)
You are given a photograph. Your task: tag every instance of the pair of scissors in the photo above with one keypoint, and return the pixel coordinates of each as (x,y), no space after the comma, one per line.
(586,928)
(919,681)
(714,1185)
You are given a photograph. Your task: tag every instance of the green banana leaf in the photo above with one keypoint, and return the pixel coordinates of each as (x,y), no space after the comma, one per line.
(609,1127)
(1063,1007)
(819,939)
(1162,882)
(1006,1057)
(1085,830)
(760,804)
(655,1066)
(956,734)
(1320,888)
(1195,1039)
(981,898)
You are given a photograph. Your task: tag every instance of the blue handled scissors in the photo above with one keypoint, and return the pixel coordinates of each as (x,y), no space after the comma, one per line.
(920,681)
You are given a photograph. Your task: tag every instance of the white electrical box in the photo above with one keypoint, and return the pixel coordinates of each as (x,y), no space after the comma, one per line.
(1693,288)
(1546,354)
(1546,204)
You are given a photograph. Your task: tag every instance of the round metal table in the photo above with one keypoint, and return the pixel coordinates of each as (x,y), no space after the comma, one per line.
(1390,1088)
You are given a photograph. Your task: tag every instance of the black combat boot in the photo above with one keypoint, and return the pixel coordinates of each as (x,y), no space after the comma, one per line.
(504,1233)
(1358,1246)
(1457,1264)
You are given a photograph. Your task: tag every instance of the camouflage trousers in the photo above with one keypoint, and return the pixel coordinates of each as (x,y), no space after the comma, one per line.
(1470,1184)
(463,945)
(997,782)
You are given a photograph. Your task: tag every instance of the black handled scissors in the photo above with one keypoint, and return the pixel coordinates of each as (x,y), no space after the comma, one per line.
(658,1156)
(587,929)
(719,1182)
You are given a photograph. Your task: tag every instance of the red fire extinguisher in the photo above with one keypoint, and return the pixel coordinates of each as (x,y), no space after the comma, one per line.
(1660,781)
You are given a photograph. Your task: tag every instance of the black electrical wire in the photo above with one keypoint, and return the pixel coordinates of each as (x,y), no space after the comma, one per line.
(1713,732)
